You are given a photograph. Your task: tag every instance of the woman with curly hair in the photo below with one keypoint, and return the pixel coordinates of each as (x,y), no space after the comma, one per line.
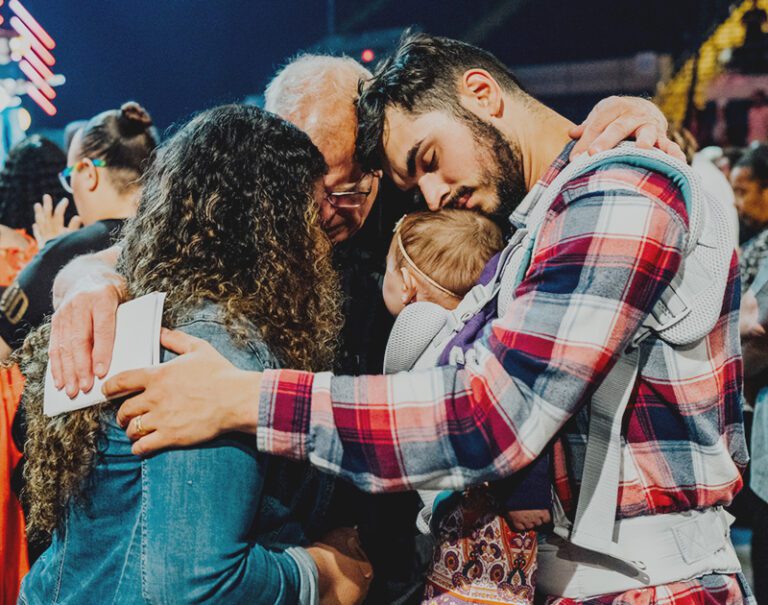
(228,227)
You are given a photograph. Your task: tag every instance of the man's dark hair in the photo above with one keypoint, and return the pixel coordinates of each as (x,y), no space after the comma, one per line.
(421,75)
(756,159)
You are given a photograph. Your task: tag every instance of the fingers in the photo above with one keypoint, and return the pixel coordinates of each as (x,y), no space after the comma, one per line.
(131,408)
(54,356)
(646,136)
(140,426)
(58,213)
(576,131)
(39,216)
(603,114)
(47,205)
(150,444)
(671,148)
(104,318)
(130,381)
(75,223)
(612,135)
(66,359)
(80,330)
(178,342)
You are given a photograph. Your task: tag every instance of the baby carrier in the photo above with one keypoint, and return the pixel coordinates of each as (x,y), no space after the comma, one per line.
(596,554)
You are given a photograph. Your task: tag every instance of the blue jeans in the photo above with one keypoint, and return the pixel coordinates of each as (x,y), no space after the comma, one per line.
(216,523)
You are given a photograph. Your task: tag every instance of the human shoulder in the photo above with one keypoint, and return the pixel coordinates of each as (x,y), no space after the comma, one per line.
(634,177)
(94,237)
(206,321)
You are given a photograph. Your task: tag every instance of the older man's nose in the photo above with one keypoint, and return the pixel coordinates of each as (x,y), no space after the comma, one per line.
(327,211)
(436,193)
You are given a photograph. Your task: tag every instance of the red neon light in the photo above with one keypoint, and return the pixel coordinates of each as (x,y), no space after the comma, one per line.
(368,55)
(44,87)
(41,68)
(32,24)
(38,98)
(24,32)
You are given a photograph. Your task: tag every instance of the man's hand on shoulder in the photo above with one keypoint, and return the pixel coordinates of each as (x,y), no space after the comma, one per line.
(617,119)
(188,400)
(83,330)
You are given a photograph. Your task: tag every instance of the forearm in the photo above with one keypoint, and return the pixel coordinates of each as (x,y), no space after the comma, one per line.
(448,428)
(97,268)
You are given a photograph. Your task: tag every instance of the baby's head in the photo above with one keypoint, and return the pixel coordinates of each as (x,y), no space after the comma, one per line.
(438,257)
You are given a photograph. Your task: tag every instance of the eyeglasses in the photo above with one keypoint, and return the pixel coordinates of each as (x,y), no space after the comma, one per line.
(354,198)
(65,176)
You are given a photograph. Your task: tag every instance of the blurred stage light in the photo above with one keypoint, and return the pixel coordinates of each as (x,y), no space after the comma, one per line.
(25,119)
(368,55)
(40,99)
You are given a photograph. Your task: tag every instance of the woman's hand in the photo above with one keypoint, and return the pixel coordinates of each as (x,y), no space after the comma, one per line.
(49,221)
(190,399)
(343,568)
(524,520)
(616,119)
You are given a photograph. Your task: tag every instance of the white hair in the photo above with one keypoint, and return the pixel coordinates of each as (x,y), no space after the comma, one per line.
(315,85)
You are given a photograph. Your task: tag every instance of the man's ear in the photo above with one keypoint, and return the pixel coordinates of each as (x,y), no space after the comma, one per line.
(482,93)
(409,288)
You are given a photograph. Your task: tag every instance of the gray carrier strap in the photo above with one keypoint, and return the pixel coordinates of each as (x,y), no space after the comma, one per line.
(415,337)
(686,312)
(598,496)
(690,307)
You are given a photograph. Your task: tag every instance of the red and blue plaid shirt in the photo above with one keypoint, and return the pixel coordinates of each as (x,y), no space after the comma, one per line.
(612,241)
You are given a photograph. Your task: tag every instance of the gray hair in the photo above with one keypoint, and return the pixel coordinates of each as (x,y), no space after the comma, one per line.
(312,84)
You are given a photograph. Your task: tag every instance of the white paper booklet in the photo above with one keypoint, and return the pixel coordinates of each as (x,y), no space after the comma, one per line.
(137,345)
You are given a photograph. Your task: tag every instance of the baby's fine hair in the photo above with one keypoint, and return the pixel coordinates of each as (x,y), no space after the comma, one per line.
(451,247)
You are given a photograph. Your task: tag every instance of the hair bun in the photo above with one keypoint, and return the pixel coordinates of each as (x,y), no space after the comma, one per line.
(134,119)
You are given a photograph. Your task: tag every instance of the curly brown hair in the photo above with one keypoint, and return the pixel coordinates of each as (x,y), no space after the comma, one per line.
(227,215)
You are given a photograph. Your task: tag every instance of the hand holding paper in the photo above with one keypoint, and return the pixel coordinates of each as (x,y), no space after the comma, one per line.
(137,345)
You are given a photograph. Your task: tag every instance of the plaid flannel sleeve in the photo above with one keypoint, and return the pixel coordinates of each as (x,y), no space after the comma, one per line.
(602,259)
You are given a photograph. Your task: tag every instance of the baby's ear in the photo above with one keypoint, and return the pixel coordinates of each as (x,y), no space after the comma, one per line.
(409,289)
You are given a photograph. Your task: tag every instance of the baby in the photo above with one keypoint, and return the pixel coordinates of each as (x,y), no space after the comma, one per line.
(438,257)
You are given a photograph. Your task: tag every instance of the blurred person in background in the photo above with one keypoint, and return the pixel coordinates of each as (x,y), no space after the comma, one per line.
(750,183)
(105,162)
(749,179)
(757,119)
(30,173)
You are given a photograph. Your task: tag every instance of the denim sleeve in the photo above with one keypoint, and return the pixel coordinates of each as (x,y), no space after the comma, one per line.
(199,507)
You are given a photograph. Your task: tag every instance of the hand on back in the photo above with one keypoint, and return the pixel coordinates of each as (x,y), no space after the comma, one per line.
(617,119)
(343,568)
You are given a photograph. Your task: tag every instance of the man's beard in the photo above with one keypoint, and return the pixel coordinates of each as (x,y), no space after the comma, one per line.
(504,172)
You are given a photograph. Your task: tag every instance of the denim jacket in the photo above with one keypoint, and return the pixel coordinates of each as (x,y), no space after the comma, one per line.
(215,523)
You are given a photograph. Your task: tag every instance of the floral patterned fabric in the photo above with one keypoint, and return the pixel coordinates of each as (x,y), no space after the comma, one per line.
(479,559)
